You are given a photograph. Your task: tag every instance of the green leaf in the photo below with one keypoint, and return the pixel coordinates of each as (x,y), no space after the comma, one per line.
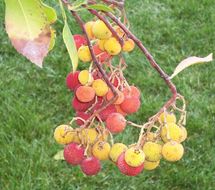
(52,41)
(50,13)
(28,28)
(59,155)
(69,41)
(100,7)
(191,61)
(77,4)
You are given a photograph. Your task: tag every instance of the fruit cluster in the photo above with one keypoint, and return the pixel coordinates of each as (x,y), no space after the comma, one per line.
(99,113)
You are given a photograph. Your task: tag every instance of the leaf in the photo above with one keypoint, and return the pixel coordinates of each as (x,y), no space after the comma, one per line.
(28,28)
(76,5)
(69,41)
(100,7)
(59,155)
(52,41)
(191,61)
(50,13)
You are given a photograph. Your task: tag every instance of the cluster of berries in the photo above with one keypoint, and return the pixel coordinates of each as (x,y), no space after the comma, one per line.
(88,143)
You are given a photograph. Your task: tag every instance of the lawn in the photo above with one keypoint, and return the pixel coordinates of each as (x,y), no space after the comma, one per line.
(34,101)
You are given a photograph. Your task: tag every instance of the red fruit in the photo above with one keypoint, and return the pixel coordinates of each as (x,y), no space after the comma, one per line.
(80,40)
(85,93)
(72,80)
(130,105)
(106,112)
(132,92)
(116,123)
(74,154)
(80,106)
(119,110)
(91,166)
(83,116)
(126,169)
(101,55)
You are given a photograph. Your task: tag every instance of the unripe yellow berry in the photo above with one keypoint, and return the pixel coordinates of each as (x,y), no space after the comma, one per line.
(100,30)
(151,165)
(128,45)
(84,54)
(152,151)
(150,136)
(184,134)
(116,150)
(112,46)
(101,44)
(134,157)
(89,135)
(85,77)
(172,151)
(119,31)
(64,134)
(166,117)
(88,27)
(100,87)
(171,131)
(101,150)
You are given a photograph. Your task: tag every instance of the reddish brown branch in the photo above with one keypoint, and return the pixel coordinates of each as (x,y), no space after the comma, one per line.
(119,4)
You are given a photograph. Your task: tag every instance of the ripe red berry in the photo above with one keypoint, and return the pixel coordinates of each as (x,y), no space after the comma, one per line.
(106,112)
(91,166)
(126,169)
(85,93)
(116,123)
(130,104)
(80,106)
(132,91)
(83,116)
(74,154)
(101,55)
(80,40)
(72,80)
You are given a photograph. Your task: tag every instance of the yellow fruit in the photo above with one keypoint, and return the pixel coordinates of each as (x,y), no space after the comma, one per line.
(134,157)
(172,151)
(101,150)
(88,135)
(166,117)
(128,45)
(88,27)
(171,131)
(151,165)
(152,151)
(101,44)
(100,87)
(112,46)
(100,30)
(84,54)
(119,31)
(116,150)
(184,134)
(150,136)
(76,138)
(63,134)
(85,78)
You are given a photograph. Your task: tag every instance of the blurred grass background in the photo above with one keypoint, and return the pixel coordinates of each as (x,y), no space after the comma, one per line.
(34,101)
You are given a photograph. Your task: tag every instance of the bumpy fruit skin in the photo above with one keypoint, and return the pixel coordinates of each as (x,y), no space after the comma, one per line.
(115,123)
(62,136)
(134,157)
(112,46)
(101,150)
(85,77)
(126,169)
(150,136)
(172,151)
(120,98)
(119,110)
(85,94)
(80,40)
(101,44)
(88,27)
(72,80)
(80,106)
(130,105)
(101,56)
(152,151)
(83,116)
(128,45)
(116,150)
(132,91)
(100,30)
(171,131)
(84,54)
(100,87)
(119,31)
(89,135)
(74,154)
(151,165)
(106,112)
(91,166)
(167,117)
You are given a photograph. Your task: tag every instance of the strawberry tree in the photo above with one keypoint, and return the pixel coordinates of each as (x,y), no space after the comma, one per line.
(103,98)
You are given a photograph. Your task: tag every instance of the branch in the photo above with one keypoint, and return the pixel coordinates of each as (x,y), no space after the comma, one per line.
(119,4)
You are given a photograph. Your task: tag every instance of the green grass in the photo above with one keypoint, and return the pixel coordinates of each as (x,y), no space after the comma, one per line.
(34,101)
